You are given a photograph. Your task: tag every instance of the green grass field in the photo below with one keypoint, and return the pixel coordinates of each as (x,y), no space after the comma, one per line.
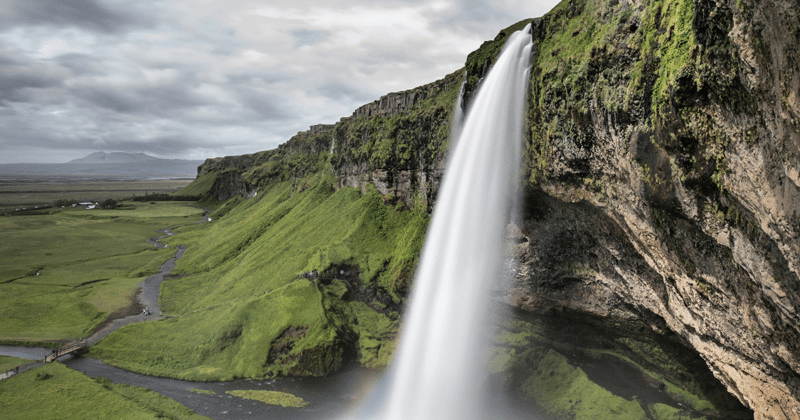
(239,294)
(8,362)
(63,272)
(55,391)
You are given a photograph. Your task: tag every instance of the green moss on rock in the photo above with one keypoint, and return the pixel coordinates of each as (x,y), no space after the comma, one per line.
(565,390)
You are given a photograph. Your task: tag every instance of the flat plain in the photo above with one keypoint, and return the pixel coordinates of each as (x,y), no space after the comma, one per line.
(25,190)
(64,270)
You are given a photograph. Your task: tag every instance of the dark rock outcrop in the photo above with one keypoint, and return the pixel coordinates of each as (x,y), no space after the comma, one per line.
(229,182)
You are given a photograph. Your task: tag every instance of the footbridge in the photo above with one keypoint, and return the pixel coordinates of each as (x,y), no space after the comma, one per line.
(68,348)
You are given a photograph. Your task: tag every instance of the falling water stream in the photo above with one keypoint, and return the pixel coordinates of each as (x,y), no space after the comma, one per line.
(440,371)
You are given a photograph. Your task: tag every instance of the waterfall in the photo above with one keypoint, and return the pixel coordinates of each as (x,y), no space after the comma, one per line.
(458,114)
(440,369)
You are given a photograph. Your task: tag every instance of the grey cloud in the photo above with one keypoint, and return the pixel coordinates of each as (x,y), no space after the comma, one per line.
(15,87)
(109,98)
(7,61)
(165,99)
(264,105)
(308,37)
(257,94)
(165,145)
(409,52)
(340,91)
(161,101)
(42,134)
(245,80)
(80,64)
(20,132)
(86,14)
(483,17)
(21,77)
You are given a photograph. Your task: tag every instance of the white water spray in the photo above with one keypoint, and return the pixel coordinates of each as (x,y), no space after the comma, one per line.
(439,371)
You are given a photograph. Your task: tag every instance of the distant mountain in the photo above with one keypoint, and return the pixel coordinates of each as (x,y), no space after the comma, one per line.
(117,164)
(115,157)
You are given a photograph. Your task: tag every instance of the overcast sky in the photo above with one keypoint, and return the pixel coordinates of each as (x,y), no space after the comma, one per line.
(192,79)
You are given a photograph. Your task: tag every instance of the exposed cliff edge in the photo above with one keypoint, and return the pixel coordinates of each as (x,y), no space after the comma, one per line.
(398,143)
(664,183)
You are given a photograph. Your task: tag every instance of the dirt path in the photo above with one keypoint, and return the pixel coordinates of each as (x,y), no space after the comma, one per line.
(149,291)
(147,298)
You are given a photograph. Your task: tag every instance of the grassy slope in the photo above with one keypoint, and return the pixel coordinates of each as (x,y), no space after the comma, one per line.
(531,355)
(8,362)
(241,292)
(565,390)
(55,391)
(555,381)
(199,186)
(90,262)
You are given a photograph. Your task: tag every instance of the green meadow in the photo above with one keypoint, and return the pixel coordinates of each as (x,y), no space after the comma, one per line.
(63,271)
(8,362)
(55,391)
(240,307)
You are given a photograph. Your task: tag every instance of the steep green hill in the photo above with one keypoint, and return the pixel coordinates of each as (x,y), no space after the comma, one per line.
(244,303)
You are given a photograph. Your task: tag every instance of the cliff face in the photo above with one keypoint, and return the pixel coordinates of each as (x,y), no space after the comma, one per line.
(662,151)
(398,143)
(229,170)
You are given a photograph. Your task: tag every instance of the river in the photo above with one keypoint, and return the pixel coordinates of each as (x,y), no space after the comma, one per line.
(326,396)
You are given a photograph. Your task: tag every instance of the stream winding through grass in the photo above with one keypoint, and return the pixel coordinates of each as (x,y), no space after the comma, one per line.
(327,395)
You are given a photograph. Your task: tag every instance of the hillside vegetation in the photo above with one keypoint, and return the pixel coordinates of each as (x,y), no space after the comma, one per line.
(56,391)
(242,306)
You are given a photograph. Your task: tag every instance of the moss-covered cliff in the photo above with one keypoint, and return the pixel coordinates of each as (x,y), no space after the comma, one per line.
(672,127)
(662,156)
